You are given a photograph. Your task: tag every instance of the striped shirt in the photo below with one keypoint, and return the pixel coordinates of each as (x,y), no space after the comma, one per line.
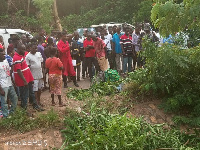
(126,41)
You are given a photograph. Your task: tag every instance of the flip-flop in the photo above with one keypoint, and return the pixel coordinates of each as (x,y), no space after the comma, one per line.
(53,104)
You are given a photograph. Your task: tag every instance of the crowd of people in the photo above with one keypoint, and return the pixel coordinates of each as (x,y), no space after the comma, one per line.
(29,64)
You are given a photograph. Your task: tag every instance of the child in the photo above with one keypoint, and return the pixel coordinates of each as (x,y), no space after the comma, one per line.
(35,62)
(54,67)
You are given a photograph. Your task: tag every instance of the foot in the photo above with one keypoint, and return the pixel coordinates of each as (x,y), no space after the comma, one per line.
(53,104)
(40,104)
(38,108)
(76,84)
(84,77)
(62,105)
(78,79)
(65,85)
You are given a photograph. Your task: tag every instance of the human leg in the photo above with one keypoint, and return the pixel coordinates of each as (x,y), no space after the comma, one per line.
(130,63)
(117,60)
(125,62)
(4,105)
(13,98)
(32,96)
(65,81)
(52,100)
(78,72)
(24,94)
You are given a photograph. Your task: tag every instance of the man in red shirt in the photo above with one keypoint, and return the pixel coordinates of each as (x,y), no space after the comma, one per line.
(127,50)
(90,55)
(24,78)
(66,59)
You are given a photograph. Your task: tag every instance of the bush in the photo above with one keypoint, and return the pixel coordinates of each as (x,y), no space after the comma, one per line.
(99,129)
(174,73)
(98,88)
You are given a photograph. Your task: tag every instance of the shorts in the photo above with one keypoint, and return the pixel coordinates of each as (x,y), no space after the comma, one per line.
(38,85)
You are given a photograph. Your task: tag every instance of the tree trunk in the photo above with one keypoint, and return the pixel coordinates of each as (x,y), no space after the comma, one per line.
(9,5)
(28,8)
(56,17)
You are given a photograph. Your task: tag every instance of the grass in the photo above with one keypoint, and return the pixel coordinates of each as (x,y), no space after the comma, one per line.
(22,123)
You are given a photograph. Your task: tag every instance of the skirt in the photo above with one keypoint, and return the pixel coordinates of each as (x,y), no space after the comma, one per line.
(55,84)
(103,63)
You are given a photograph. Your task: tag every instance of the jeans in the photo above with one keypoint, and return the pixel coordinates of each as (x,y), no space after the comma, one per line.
(118,60)
(127,60)
(25,93)
(89,62)
(11,94)
(111,59)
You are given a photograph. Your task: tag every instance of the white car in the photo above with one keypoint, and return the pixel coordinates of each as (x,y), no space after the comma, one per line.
(6,34)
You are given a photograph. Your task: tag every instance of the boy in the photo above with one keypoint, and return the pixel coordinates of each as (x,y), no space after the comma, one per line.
(127,50)
(6,87)
(35,62)
(90,55)
(23,77)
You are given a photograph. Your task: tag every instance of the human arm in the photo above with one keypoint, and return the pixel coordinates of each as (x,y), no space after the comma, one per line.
(122,46)
(22,76)
(63,47)
(2,92)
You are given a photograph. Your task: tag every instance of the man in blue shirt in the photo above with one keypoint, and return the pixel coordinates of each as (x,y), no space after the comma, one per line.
(117,48)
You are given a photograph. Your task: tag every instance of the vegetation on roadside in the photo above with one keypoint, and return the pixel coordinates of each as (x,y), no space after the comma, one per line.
(22,123)
(172,74)
(98,89)
(99,129)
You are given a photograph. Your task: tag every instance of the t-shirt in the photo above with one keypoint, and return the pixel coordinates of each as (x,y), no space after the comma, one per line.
(99,46)
(126,41)
(135,38)
(19,62)
(34,61)
(91,52)
(116,41)
(109,38)
(5,78)
(54,64)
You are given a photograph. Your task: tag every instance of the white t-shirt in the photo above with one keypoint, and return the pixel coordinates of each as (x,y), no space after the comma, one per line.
(5,78)
(109,38)
(34,61)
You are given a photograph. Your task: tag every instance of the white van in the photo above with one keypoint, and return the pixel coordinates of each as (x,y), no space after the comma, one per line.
(6,34)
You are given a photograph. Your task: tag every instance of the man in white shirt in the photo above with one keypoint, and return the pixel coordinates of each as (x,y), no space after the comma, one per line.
(34,60)
(6,87)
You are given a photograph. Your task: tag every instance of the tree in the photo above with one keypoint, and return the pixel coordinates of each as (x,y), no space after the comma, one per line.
(172,16)
(45,13)
(144,12)
(56,17)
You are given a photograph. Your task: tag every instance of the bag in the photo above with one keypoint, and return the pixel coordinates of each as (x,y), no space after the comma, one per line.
(75,52)
(112,75)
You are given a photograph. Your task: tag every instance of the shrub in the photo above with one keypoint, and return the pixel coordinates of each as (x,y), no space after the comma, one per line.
(99,129)
(174,73)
